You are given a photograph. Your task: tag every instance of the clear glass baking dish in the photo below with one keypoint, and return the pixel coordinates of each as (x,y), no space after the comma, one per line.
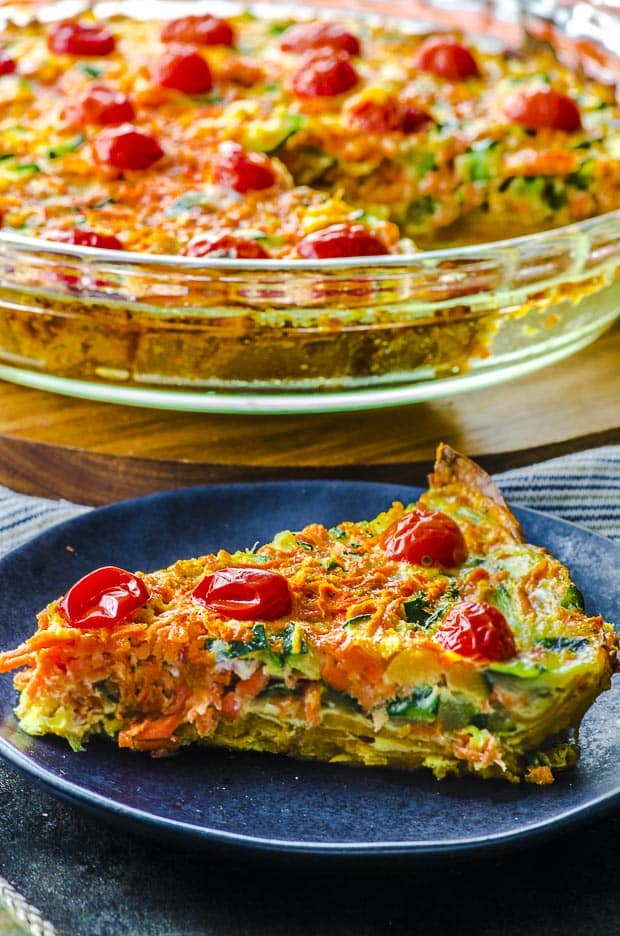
(278,336)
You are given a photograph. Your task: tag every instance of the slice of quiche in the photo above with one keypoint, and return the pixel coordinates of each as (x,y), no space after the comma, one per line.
(431,636)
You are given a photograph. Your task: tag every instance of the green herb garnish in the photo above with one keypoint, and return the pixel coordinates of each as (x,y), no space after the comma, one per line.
(91,70)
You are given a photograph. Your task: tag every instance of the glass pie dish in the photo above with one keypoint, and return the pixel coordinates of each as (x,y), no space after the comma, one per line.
(304,335)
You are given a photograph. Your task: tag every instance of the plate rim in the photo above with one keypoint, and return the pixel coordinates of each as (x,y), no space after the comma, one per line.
(145,821)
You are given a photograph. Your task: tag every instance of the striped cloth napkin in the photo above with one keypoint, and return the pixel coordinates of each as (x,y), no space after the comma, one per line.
(583,487)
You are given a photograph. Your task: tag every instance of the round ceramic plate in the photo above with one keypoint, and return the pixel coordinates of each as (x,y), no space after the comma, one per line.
(267,802)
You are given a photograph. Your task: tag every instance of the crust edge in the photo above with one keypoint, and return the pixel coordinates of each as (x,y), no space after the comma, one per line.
(451,467)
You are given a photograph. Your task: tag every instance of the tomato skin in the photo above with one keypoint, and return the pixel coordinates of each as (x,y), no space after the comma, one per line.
(103,106)
(245,594)
(103,598)
(126,147)
(478,631)
(387,116)
(229,246)
(414,119)
(425,537)
(182,68)
(199,30)
(324,73)
(238,169)
(340,240)
(542,108)
(446,58)
(7,64)
(85,238)
(305,36)
(375,116)
(75,38)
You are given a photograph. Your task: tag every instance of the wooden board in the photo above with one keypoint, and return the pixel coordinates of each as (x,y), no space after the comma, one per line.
(96,452)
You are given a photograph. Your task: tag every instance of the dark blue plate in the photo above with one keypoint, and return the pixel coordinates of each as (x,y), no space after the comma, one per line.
(266,802)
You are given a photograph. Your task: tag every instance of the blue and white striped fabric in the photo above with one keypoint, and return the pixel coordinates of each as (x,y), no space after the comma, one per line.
(583,488)
(22,517)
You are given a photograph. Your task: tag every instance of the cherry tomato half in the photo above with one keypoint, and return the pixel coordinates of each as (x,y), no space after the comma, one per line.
(324,74)
(75,38)
(199,30)
(425,537)
(446,58)
(245,594)
(340,240)
(87,239)
(538,109)
(387,116)
(103,598)
(306,36)
(103,106)
(126,147)
(414,118)
(478,631)
(228,246)
(235,168)
(182,68)
(7,64)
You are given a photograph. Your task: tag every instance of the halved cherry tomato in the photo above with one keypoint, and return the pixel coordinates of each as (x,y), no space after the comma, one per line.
(103,106)
(375,116)
(86,239)
(324,74)
(340,240)
(227,245)
(7,64)
(478,631)
(446,58)
(414,118)
(387,116)
(103,598)
(541,108)
(245,594)
(240,170)
(182,68)
(306,36)
(126,147)
(425,537)
(75,38)
(199,30)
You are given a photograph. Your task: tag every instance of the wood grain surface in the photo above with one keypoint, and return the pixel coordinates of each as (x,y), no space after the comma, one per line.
(96,452)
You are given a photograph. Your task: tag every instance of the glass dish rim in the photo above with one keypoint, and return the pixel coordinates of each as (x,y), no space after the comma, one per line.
(36,245)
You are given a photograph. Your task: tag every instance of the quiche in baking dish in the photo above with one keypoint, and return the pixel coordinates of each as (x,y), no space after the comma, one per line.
(257,138)
(429,637)
(191,142)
